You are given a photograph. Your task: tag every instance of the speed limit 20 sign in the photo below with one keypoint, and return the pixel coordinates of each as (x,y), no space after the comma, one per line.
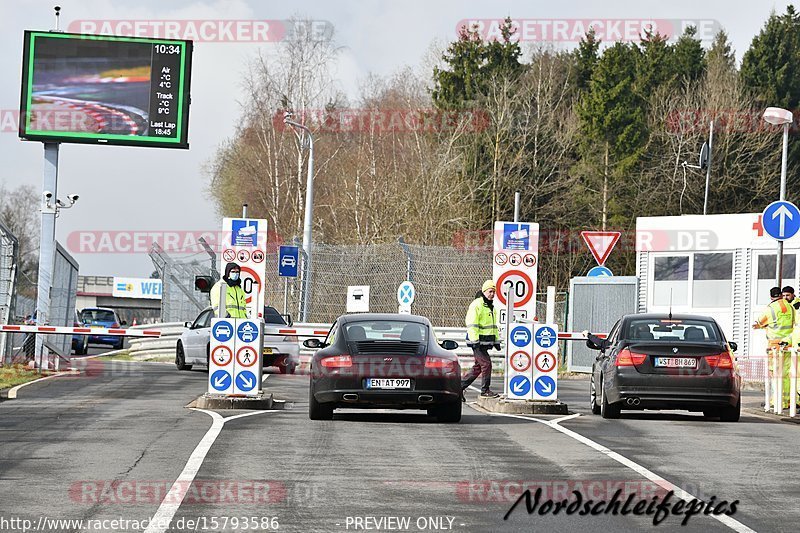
(516,249)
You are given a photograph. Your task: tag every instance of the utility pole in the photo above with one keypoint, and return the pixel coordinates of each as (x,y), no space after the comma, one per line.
(307,241)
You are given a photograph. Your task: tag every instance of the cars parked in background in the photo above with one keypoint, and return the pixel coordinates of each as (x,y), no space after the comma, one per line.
(282,351)
(80,343)
(665,361)
(384,361)
(103,317)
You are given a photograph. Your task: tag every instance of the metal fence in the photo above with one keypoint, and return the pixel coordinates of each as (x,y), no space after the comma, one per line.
(9,249)
(446,280)
(63,296)
(179,299)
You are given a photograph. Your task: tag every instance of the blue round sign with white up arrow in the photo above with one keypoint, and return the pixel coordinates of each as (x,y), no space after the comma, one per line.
(781,220)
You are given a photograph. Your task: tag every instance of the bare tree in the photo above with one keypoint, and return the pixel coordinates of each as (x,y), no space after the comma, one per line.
(19,208)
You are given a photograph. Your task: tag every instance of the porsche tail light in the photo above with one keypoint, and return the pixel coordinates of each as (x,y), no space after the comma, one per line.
(440,362)
(337,361)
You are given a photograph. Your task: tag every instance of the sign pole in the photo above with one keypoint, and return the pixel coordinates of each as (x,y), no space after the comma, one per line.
(779,262)
(285,294)
(47,238)
(222,310)
(507,353)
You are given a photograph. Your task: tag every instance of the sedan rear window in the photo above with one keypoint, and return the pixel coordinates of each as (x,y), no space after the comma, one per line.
(386,330)
(271,316)
(98,315)
(671,330)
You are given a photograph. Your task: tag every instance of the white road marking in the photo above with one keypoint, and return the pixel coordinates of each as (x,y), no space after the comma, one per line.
(565,418)
(264,377)
(160,521)
(636,467)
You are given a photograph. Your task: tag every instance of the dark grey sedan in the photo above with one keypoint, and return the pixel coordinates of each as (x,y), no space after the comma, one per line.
(665,361)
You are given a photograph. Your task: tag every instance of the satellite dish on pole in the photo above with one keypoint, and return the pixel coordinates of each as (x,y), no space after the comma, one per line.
(704,153)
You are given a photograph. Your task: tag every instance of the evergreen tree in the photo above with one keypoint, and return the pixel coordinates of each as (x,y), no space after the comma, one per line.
(770,65)
(586,59)
(614,125)
(720,56)
(471,63)
(689,58)
(655,64)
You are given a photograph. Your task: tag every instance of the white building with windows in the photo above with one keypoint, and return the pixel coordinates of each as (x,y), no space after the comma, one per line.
(717,265)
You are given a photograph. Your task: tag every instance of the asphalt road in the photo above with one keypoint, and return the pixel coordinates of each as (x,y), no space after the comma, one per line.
(110,444)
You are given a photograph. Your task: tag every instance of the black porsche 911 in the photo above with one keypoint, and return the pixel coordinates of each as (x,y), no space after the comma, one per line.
(665,361)
(384,361)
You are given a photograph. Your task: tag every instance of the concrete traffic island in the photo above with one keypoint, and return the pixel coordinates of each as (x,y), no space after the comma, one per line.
(522,407)
(263,401)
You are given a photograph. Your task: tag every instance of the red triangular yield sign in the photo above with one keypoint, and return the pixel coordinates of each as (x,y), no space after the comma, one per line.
(601,243)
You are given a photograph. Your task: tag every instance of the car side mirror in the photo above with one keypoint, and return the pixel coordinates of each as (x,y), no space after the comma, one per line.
(123,323)
(187,325)
(449,344)
(734,346)
(313,343)
(288,319)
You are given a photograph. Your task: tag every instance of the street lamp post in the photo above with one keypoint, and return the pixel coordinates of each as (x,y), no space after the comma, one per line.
(779,116)
(307,242)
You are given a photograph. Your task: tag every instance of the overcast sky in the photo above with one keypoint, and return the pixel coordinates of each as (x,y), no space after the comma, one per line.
(140,189)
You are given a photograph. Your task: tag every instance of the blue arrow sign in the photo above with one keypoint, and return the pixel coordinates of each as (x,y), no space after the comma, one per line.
(519,385)
(246,380)
(223,331)
(220,380)
(781,220)
(600,271)
(288,261)
(247,331)
(545,386)
(545,337)
(520,336)
(406,293)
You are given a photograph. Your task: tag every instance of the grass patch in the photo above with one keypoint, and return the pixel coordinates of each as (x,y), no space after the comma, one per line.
(11,376)
(124,356)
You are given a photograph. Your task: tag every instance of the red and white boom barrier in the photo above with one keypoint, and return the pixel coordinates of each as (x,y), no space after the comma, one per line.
(63,330)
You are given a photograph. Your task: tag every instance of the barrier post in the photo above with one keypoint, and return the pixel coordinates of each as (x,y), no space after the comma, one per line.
(793,384)
(778,382)
(766,381)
